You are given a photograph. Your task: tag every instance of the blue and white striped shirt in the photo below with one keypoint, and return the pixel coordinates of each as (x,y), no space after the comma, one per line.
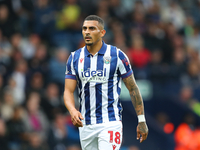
(99,82)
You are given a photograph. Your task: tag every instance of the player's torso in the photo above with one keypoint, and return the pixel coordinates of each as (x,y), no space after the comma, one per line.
(97,81)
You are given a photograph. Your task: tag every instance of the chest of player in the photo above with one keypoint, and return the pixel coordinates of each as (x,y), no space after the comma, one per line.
(97,68)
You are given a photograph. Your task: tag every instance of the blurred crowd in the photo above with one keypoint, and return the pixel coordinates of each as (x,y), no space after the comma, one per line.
(160,37)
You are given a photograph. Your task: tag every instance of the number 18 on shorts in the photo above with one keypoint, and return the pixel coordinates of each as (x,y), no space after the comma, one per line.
(104,136)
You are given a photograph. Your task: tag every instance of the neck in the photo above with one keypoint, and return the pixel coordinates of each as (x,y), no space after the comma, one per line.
(95,47)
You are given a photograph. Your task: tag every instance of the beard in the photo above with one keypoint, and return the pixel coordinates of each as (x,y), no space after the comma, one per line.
(89,44)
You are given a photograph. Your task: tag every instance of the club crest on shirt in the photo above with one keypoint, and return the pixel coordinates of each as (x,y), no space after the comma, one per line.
(107,59)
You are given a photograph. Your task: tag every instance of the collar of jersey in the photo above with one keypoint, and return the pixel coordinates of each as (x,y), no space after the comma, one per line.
(101,51)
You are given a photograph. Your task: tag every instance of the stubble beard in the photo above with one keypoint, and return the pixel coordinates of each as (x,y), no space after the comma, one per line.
(89,44)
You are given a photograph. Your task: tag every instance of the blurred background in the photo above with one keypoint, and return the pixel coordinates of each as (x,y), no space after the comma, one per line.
(161,39)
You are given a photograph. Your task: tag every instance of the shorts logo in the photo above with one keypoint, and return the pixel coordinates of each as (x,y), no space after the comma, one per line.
(107,59)
(114,146)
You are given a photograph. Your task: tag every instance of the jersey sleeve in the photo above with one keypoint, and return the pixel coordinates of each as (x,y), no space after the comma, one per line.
(70,72)
(124,65)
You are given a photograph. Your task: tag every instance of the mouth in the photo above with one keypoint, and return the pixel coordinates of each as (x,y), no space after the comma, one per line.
(87,38)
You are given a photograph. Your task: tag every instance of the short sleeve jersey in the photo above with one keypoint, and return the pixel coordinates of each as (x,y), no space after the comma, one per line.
(99,82)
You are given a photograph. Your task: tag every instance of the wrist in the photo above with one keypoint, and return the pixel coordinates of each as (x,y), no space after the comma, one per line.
(72,110)
(141,118)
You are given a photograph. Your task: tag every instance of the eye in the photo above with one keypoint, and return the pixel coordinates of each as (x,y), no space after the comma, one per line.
(84,28)
(92,28)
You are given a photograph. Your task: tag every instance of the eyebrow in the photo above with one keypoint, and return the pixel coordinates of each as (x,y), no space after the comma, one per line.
(89,27)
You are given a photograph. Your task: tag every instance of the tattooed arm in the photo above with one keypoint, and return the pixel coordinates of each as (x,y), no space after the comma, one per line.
(136,98)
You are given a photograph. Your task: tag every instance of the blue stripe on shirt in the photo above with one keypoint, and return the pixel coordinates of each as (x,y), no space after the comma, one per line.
(69,65)
(87,93)
(119,101)
(68,76)
(113,65)
(127,74)
(98,89)
(124,61)
(76,60)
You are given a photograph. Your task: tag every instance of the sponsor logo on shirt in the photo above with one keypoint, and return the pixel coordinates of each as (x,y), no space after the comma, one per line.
(94,75)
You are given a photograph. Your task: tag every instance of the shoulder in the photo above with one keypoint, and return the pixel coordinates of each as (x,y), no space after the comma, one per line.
(113,49)
(118,50)
(76,53)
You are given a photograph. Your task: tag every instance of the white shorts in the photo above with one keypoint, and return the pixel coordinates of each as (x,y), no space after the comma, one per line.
(104,136)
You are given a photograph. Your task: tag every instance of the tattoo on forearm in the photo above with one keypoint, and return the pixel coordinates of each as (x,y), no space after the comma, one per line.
(135,94)
(143,127)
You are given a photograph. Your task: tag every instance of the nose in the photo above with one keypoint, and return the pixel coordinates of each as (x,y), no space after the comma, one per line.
(87,31)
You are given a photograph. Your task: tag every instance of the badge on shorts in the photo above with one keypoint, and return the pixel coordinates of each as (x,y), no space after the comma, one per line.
(107,59)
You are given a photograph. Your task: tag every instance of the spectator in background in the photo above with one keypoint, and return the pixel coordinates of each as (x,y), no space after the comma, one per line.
(28,46)
(7,107)
(194,39)
(61,135)
(15,128)
(44,19)
(136,19)
(153,12)
(195,12)
(139,55)
(116,10)
(57,66)
(24,11)
(189,27)
(69,16)
(167,46)
(1,88)
(173,14)
(68,22)
(187,134)
(154,37)
(157,69)
(36,84)
(178,65)
(4,142)
(19,76)
(188,99)
(7,24)
(186,94)
(34,119)
(25,46)
(187,5)
(11,87)
(52,101)
(103,12)
(118,35)
(5,50)
(192,77)
(35,142)
(39,62)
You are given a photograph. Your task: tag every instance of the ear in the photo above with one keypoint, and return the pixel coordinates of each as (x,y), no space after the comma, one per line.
(103,32)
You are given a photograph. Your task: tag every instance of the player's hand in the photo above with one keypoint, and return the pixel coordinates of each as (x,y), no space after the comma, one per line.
(142,131)
(76,118)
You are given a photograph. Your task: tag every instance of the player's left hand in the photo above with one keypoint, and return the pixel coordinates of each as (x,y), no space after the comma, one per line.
(142,131)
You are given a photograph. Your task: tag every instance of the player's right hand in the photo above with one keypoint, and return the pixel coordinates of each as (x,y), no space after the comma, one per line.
(76,118)
(142,131)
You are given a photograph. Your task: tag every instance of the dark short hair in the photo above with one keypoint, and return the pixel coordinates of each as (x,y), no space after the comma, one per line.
(96,18)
